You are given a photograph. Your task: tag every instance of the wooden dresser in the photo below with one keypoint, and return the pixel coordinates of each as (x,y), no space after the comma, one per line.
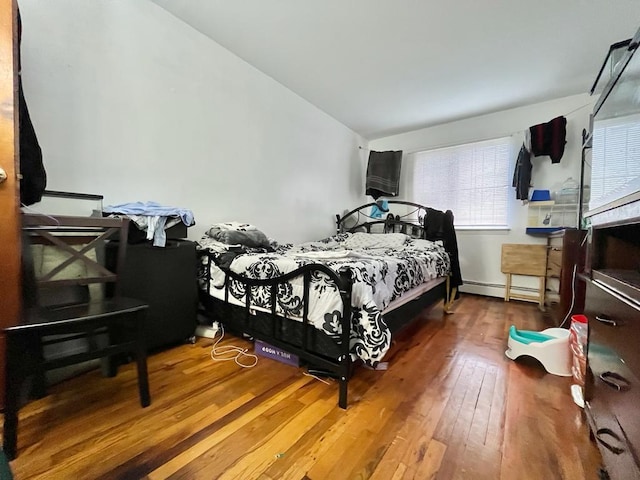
(564,293)
(612,272)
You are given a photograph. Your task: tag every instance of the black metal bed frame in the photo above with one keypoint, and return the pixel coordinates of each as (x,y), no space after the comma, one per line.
(410,222)
(312,346)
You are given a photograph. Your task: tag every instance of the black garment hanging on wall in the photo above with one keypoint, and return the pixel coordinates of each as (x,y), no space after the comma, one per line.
(549,138)
(383,174)
(522,174)
(34,177)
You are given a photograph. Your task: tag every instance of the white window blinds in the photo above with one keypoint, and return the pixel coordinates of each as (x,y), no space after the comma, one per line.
(472,180)
(615,159)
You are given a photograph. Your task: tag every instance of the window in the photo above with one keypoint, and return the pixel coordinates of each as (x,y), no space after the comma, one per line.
(472,180)
(615,159)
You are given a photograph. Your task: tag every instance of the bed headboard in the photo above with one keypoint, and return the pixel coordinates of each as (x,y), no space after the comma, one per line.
(409,218)
(403,217)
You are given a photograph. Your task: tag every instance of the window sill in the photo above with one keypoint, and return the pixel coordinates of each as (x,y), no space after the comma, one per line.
(469,228)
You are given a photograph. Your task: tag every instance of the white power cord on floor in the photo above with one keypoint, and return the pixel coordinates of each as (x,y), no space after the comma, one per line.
(573,296)
(229,352)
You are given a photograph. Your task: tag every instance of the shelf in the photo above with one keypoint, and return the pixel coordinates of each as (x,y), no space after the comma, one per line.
(627,282)
(542,230)
(549,216)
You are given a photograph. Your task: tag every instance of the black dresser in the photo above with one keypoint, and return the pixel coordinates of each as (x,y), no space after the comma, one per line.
(165,278)
(612,271)
(612,390)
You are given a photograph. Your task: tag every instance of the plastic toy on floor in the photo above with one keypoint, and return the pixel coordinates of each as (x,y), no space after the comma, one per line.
(550,347)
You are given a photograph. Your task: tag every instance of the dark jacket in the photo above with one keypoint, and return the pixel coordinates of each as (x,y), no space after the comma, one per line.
(522,174)
(34,178)
(438,225)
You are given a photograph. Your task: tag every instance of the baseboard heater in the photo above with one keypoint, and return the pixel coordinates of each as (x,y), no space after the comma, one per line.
(491,289)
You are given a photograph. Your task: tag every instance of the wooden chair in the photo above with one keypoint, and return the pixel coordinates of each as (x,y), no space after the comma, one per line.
(60,309)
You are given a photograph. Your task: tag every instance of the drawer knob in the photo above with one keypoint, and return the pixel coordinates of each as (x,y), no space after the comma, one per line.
(601,435)
(615,381)
(606,320)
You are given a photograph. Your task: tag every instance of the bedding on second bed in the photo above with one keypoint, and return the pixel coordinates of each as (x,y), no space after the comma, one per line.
(382,268)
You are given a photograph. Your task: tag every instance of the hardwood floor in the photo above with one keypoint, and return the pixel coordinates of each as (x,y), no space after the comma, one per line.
(451,405)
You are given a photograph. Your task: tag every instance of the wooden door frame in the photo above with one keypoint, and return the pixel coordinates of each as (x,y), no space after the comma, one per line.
(10,223)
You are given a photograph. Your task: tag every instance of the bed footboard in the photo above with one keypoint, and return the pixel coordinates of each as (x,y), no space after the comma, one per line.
(314,347)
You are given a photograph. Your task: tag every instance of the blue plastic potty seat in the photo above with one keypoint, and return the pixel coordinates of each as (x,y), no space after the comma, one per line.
(528,336)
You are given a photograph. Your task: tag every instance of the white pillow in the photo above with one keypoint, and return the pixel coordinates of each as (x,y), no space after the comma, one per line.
(375,240)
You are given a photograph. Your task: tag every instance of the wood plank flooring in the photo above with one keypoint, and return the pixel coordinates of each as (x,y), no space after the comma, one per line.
(450,406)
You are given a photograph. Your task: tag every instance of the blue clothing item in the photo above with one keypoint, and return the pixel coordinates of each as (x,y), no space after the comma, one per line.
(152,209)
(379,209)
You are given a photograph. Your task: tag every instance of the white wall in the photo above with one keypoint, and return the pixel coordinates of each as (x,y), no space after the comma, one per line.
(131,103)
(480,250)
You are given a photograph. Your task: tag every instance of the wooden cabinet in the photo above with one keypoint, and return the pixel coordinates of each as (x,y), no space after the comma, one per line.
(564,294)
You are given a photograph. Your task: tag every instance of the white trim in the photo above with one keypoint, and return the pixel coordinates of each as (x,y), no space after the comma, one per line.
(482,227)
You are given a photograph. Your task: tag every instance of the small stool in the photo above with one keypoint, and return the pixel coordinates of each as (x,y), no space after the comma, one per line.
(550,347)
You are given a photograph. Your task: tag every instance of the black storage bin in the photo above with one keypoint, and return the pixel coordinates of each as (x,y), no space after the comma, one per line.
(165,278)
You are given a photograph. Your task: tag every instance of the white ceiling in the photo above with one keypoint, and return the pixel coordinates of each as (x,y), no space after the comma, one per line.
(389,66)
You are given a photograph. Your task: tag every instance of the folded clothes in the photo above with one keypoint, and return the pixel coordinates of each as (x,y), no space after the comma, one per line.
(152,209)
(152,217)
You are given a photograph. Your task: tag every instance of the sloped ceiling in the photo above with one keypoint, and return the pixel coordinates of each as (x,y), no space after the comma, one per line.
(388,66)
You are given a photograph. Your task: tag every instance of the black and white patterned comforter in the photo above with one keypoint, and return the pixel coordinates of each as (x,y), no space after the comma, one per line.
(381,271)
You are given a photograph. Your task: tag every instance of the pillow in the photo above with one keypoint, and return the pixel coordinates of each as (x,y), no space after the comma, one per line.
(243,227)
(375,240)
(250,238)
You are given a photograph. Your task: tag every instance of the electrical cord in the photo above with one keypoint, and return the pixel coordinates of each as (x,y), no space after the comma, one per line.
(573,297)
(221,353)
